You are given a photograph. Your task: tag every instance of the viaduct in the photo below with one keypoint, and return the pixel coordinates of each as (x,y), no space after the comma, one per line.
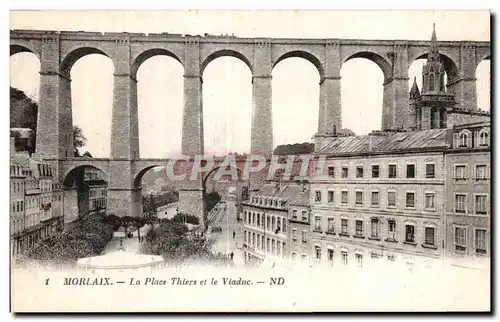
(59,50)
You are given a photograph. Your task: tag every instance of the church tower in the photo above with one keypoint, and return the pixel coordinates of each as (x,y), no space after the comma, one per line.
(428,108)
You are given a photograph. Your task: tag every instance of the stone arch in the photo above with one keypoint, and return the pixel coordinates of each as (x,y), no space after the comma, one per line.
(73,56)
(305,55)
(223,53)
(381,62)
(68,180)
(24,48)
(483,56)
(141,173)
(450,66)
(145,55)
(205,178)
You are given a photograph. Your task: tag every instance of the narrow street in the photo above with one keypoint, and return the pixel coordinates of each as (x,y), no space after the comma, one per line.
(224,241)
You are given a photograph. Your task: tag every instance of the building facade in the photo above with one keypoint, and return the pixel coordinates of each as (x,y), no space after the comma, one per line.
(97,189)
(468,196)
(32,200)
(379,197)
(265,217)
(299,213)
(17,211)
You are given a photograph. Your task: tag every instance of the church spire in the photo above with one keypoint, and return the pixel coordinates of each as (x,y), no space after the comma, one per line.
(414,91)
(434,51)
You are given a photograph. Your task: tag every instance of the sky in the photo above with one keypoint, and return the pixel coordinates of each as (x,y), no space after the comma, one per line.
(227,89)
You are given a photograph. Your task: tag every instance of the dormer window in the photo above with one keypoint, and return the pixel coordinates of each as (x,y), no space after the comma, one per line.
(463,140)
(483,138)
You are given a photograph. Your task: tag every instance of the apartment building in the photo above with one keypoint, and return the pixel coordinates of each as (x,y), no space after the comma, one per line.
(468,195)
(299,233)
(379,197)
(266,222)
(32,199)
(97,189)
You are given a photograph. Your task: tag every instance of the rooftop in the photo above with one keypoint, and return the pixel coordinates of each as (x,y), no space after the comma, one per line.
(436,138)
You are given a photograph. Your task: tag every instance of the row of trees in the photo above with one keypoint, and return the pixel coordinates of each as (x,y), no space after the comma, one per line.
(85,237)
(151,203)
(170,239)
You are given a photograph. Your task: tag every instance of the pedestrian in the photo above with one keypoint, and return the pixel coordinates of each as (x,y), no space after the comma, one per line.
(234,234)
(232,255)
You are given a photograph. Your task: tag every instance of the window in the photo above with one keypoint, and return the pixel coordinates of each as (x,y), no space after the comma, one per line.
(480,241)
(410,171)
(375,171)
(391,198)
(359,228)
(268,226)
(304,215)
(374,255)
(331,172)
(284,225)
(317,223)
(303,258)
(392,171)
(343,197)
(304,237)
(430,200)
(430,170)
(330,255)
(330,196)
(294,256)
(460,172)
(429,235)
(374,228)
(294,214)
(331,227)
(317,250)
(392,229)
(345,172)
(359,260)
(258,220)
(410,199)
(410,234)
(481,172)
(460,203)
(464,137)
(359,197)
(345,257)
(483,138)
(318,196)
(343,228)
(480,204)
(375,198)
(359,172)
(294,234)
(460,240)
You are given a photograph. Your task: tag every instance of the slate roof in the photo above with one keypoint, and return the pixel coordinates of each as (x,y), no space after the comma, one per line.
(291,192)
(400,141)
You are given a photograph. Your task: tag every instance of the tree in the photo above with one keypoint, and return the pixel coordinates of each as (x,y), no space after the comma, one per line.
(126,222)
(24,114)
(79,139)
(292,149)
(212,199)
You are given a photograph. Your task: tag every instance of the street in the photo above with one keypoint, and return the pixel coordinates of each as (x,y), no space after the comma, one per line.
(223,242)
